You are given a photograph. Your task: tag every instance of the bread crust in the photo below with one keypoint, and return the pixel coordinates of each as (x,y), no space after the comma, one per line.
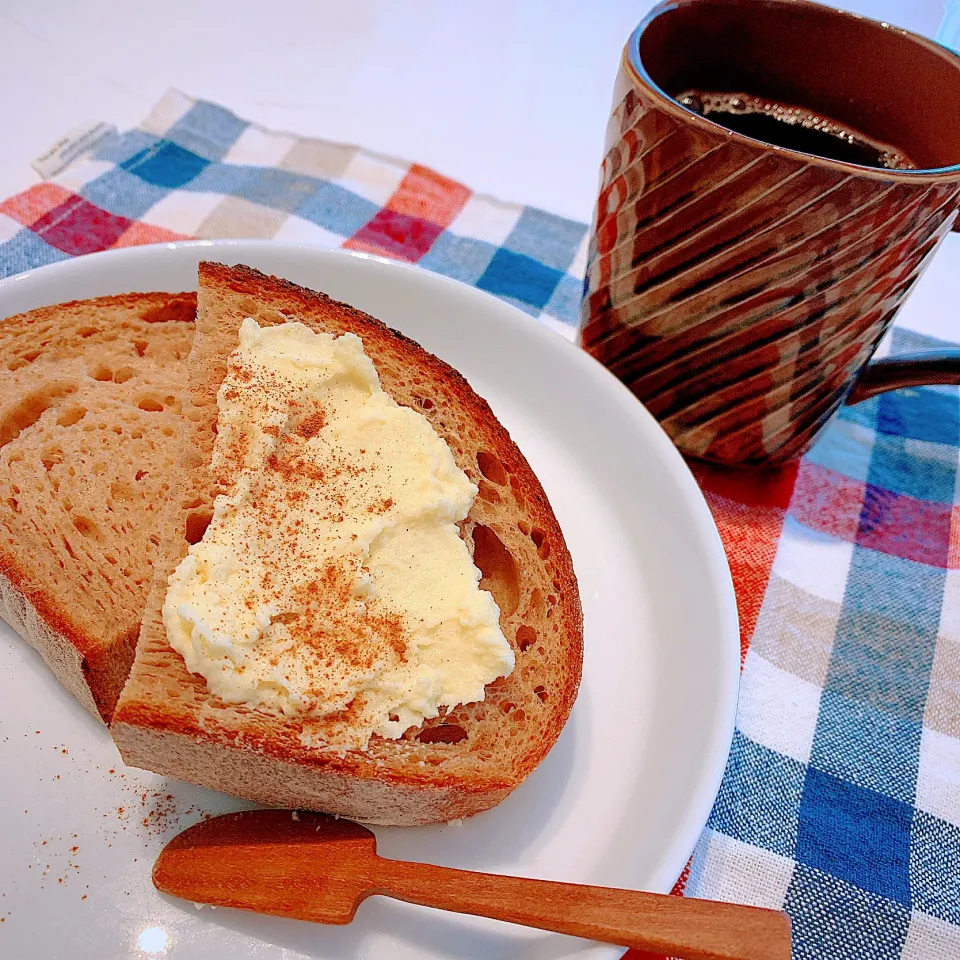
(59,652)
(167,720)
(50,345)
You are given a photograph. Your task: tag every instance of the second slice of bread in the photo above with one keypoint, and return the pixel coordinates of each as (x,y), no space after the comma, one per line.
(89,427)
(453,766)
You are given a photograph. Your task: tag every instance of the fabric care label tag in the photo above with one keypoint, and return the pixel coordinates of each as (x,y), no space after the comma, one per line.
(71,145)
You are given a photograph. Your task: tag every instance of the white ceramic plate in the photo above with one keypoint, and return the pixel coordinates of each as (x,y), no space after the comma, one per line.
(619,801)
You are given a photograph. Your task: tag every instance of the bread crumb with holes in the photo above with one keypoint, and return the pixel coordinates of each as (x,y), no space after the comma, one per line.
(90,398)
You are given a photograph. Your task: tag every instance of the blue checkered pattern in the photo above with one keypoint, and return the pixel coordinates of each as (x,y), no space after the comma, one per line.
(195,169)
(841,799)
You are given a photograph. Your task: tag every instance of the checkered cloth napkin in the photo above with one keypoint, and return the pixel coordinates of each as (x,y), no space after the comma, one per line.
(841,800)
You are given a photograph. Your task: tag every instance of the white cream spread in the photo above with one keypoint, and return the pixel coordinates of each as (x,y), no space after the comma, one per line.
(332,583)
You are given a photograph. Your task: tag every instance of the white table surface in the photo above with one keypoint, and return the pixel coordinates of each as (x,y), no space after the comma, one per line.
(510,96)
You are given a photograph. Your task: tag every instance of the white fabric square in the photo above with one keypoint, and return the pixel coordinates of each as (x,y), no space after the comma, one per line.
(885,345)
(938,776)
(260,147)
(929,938)
(579,265)
(931,451)
(483,218)
(736,872)
(167,112)
(372,178)
(950,611)
(777,709)
(298,230)
(8,228)
(815,562)
(182,211)
(76,175)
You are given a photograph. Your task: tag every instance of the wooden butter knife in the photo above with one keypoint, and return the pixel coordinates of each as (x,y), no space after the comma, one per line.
(309,866)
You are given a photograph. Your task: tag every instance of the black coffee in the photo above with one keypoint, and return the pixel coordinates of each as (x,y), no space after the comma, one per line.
(796,128)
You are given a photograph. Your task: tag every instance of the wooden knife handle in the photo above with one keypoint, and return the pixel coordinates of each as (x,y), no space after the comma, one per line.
(675,926)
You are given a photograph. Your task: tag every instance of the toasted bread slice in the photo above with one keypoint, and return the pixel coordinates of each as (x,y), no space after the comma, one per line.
(452,766)
(89,426)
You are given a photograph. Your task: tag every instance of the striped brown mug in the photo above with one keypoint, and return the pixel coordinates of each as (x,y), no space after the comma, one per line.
(777,175)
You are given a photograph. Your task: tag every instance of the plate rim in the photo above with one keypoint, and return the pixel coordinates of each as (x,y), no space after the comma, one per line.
(677,852)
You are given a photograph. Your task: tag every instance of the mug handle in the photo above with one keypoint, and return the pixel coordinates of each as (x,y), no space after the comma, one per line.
(906,370)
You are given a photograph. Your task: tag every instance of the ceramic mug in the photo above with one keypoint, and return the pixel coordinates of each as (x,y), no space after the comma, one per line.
(740,288)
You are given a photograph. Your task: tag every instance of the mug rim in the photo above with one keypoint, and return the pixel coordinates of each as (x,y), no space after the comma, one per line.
(638,73)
